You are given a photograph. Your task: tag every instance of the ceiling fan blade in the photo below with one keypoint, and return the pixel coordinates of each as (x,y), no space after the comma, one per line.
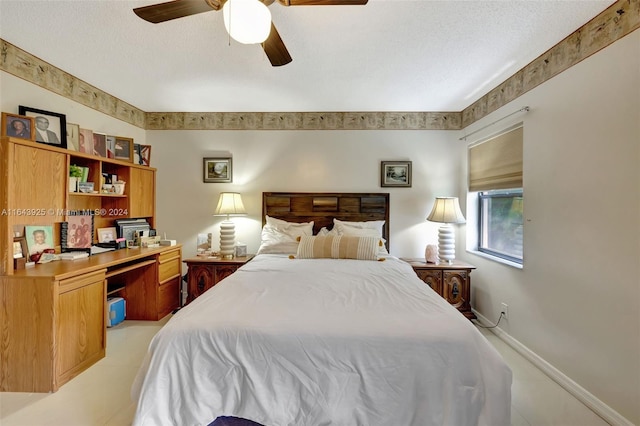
(322,2)
(163,12)
(275,49)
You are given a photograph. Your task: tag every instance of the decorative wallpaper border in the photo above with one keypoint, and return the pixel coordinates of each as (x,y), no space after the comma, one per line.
(304,120)
(618,20)
(34,70)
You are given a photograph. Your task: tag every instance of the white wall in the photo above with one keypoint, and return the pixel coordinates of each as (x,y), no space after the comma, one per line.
(16,91)
(576,303)
(340,161)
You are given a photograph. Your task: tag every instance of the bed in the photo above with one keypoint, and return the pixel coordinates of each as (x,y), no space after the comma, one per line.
(305,338)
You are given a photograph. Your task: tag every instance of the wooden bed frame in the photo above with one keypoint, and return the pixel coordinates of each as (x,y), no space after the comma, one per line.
(323,207)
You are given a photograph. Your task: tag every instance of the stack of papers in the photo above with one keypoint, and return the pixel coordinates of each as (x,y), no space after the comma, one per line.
(98,250)
(73,255)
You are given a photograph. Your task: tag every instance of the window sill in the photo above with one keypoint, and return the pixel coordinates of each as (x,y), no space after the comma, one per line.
(496,259)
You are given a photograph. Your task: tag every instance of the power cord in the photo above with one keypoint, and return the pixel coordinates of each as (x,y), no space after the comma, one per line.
(493,326)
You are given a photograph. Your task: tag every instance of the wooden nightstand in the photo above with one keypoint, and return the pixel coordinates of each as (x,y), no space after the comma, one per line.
(205,272)
(452,282)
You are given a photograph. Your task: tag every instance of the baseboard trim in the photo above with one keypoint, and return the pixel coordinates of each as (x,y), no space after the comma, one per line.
(607,413)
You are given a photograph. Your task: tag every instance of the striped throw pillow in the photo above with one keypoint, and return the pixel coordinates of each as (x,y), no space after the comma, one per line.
(338,247)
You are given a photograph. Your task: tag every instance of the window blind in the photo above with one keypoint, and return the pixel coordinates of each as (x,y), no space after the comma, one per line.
(497,162)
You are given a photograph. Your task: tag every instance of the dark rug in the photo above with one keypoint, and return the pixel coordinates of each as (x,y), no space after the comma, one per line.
(233,421)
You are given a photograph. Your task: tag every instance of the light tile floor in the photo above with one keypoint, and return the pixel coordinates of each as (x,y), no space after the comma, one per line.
(100,395)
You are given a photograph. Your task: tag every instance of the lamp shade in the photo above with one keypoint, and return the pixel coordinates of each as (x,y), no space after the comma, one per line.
(446,210)
(247,21)
(230,204)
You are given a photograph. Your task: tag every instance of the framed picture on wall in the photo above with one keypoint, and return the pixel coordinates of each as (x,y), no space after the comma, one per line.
(51,127)
(217,170)
(18,126)
(395,173)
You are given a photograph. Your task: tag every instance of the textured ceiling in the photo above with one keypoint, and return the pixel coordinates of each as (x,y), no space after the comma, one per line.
(389,55)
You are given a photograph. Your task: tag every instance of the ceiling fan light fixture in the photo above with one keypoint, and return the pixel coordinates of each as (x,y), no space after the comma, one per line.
(247,21)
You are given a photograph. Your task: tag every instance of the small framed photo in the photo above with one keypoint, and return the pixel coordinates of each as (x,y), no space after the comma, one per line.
(100,144)
(106,235)
(142,154)
(73,137)
(39,238)
(51,127)
(111,146)
(217,170)
(18,126)
(77,232)
(20,248)
(395,173)
(85,141)
(124,148)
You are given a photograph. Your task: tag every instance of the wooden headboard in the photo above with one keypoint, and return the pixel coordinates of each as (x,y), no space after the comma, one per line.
(323,207)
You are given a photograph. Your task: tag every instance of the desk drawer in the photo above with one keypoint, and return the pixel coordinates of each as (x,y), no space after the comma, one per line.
(168,297)
(169,266)
(81,281)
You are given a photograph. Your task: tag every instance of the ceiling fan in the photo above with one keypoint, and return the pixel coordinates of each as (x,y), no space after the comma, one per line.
(273,46)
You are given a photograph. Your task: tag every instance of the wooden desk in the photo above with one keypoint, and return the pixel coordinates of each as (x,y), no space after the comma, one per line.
(53,316)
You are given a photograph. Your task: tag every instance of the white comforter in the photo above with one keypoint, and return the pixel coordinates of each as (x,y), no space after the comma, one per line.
(322,342)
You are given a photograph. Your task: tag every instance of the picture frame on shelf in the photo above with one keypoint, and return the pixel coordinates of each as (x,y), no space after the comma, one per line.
(100,144)
(20,247)
(107,235)
(18,126)
(395,174)
(142,154)
(111,146)
(77,233)
(39,238)
(73,137)
(123,148)
(85,141)
(50,127)
(217,170)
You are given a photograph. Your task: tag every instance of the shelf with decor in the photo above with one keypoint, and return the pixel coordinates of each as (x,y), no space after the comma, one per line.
(37,182)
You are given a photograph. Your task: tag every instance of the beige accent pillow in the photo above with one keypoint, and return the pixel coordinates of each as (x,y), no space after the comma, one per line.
(338,247)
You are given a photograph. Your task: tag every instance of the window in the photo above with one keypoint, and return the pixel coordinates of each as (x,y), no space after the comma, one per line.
(495,174)
(500,224)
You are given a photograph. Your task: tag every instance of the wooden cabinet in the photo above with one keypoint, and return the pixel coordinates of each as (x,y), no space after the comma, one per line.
(205,272)
(142,192)
(80,329)
(35,191)
(451,281)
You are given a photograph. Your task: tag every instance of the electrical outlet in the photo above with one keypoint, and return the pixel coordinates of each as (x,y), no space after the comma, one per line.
(505,310)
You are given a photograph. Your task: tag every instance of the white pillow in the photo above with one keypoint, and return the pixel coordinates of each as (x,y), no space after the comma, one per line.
(324,232)
(281,237)
(371,228)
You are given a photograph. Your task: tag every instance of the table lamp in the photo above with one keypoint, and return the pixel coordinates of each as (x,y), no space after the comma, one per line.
(229,204)
(446,210)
